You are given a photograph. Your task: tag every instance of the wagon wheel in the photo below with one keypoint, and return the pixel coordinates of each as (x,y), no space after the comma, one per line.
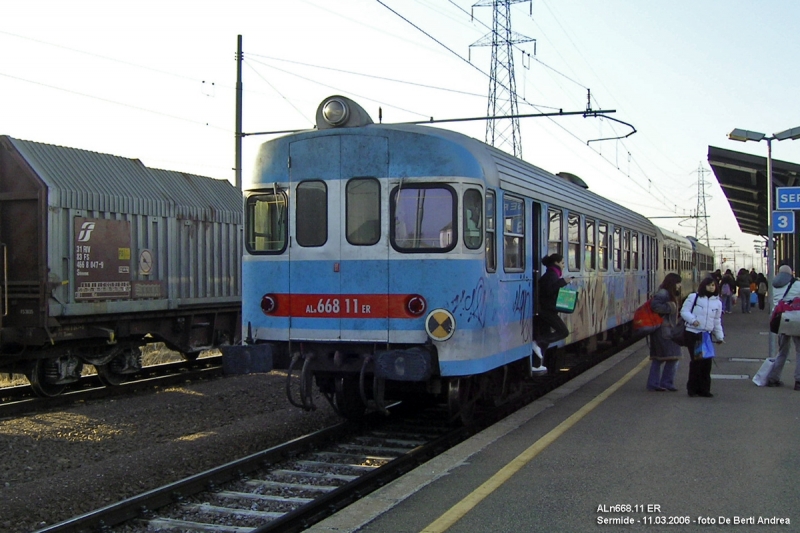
(108,376)
(461,397)
(347,398)
(120,368)
(38,378)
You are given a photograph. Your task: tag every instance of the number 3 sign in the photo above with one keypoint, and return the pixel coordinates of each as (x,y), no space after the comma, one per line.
(783,222)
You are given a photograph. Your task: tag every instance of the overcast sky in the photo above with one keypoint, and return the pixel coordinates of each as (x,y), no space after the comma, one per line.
(154,80)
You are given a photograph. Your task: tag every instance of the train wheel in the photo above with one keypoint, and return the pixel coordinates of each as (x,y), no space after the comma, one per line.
(461,397)
(38,378)
(108,376)
(347,399)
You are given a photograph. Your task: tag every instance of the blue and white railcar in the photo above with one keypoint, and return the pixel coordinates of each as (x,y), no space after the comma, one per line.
(404,258)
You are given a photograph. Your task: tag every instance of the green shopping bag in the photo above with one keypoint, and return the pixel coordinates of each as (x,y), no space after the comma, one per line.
(567,298)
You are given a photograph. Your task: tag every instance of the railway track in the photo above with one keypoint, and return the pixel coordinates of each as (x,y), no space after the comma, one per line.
(296,484)
(19,400)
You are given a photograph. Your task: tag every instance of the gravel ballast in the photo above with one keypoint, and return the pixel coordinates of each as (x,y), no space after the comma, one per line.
(62,463)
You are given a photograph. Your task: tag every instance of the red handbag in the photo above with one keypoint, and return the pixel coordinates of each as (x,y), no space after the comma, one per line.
(645,320)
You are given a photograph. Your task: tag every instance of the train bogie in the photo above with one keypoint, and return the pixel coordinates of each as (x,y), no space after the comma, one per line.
(102,255)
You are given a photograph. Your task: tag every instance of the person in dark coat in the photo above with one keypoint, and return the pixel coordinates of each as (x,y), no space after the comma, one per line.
(761,283)
(663,350)
(743,282)
(551,327)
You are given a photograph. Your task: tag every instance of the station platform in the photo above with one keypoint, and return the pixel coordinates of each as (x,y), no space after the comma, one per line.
(602,453)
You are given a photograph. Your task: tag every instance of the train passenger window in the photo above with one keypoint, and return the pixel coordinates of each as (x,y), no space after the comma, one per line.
(265,223)
(311,216)
(363,208)
(491,252)
(602,245)
(635,249)
(626,250)
(574,242)
(554,236)
(513,234)
(589,258)
(423,218)
(617,248)
(473,219)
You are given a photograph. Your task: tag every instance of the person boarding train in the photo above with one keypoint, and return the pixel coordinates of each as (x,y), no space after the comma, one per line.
(551,327)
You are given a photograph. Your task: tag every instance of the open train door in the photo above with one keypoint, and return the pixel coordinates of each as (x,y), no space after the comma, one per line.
(339,254)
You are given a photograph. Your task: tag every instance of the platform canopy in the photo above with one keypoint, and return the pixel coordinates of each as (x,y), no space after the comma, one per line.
(743,178)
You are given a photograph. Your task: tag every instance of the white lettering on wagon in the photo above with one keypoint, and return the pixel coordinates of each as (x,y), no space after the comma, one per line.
(327,306)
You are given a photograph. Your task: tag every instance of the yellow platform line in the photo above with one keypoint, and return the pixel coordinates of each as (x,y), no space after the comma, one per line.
(455,513)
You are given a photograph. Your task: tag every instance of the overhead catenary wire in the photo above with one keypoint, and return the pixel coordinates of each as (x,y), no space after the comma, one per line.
(563,128)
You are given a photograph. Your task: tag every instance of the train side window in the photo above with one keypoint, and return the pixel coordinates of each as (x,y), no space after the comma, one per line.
(635,249)
(617,248)
(363,208)
(513,234)
(626,249)
(574,242)
(554,236)
(589,257)
(265,223)
(602,245)
(423,218)
(473,219)
(311,215)
(491,252)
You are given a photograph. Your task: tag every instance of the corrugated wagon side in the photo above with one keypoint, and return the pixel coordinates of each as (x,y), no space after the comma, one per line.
(102,254)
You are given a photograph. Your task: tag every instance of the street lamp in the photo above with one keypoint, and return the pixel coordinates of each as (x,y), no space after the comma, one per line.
(744,136)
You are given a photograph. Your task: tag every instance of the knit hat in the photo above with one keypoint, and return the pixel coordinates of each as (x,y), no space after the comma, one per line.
(785,268)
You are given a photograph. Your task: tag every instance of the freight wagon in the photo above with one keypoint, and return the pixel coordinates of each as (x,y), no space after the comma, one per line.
(101,255)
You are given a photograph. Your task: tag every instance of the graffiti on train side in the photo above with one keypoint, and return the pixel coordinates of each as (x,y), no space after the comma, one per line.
(599,301)
(591,312)
(471,303)
(521,309)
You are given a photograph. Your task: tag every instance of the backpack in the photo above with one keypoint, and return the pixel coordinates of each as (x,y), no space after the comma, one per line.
(762,288)
(645,320)
(726,290)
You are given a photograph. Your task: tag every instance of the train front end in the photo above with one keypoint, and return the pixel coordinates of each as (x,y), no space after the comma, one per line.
(348,267)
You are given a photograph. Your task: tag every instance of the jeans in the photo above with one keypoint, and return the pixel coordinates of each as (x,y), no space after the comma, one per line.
(727,303)
(744,296)
(665,380)
(780,359)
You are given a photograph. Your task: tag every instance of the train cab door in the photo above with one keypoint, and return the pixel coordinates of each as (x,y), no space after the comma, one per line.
(338,274)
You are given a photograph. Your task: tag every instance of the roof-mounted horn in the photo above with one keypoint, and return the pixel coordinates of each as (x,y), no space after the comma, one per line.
(341,112)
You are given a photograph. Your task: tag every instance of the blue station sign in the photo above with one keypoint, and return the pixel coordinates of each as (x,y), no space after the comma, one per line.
(783,222)
(788,198)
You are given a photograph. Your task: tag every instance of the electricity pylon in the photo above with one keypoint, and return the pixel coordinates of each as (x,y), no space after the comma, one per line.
(701,222)
(502,133)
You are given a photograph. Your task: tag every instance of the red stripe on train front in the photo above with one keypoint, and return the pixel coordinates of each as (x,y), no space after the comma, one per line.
(344,305)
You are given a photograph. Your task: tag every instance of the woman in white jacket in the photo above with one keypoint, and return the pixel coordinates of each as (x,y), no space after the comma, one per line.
(702,311)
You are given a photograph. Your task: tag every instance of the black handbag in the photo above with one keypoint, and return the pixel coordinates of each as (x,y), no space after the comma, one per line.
(674,331)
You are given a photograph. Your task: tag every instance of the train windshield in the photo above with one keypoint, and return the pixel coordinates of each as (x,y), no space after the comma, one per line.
(265,223)
(423,218)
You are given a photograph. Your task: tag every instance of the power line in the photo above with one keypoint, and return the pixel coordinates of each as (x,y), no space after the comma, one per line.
(114,102)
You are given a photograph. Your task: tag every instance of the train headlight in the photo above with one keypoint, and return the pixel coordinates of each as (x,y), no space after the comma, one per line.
(269,304)
(440,325)
(416,305)
(335,112)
